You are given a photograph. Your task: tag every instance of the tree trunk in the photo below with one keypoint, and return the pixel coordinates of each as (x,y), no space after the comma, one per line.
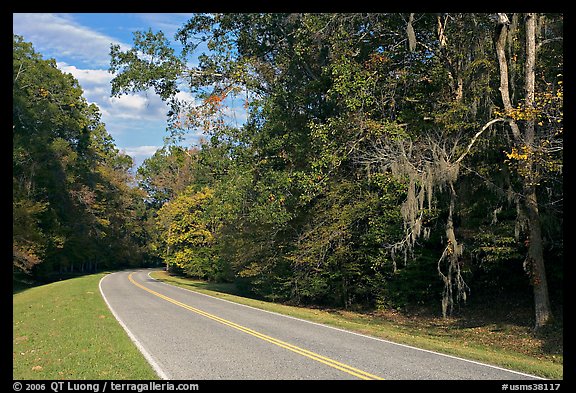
(534,263)
(411,34)
(535,258)
(500,42)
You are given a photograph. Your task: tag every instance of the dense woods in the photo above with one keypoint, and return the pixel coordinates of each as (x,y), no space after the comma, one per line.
(75,208)
(387,160)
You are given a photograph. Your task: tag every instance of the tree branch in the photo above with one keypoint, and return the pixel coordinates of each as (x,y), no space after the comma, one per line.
(476,136)
(500,42)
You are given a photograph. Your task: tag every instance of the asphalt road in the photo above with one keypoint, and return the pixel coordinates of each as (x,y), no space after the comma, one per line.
(191,336)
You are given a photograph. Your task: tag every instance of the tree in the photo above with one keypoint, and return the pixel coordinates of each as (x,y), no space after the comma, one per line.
(75,209)
(166,174)
(188,234)
(535,148)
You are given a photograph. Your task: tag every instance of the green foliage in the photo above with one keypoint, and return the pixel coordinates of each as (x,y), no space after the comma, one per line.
(167,173)
(149,63)
(188,233)
(340,257)
(74,207)
(411,285)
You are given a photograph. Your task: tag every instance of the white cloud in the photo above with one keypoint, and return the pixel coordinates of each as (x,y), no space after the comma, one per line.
(140,153)
(142,106)
(131,104)
(58,34)
(185,96)
(87,77)
(96,86)
(169,23)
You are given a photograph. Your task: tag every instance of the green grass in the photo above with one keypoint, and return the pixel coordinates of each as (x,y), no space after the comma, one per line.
(501,344)
(64,330)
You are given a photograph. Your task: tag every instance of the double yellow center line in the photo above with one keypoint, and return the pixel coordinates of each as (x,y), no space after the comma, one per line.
(314,356)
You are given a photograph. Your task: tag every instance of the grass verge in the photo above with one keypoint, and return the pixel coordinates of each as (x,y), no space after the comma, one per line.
(501,344)
(64,330)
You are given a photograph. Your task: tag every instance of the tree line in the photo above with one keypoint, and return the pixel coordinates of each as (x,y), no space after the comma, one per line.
(74,204)
(386,160)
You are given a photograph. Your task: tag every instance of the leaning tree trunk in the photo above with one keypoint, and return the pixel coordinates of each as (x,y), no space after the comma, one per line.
(534,263)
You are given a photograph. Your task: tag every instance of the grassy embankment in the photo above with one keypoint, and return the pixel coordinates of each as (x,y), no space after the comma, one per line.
(505,344)
(64,330)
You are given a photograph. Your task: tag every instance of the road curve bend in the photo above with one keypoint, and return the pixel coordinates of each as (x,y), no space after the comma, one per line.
(186,335)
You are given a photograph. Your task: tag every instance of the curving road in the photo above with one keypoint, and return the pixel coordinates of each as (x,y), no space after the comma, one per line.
(190,336)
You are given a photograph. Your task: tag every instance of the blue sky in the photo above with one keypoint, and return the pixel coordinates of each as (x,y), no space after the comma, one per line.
(80,44)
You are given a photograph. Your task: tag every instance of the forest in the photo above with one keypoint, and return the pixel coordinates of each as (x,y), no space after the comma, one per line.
(386,160)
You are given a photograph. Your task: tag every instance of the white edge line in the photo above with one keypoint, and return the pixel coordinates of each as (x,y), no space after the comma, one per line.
(355,333)
(161,373)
